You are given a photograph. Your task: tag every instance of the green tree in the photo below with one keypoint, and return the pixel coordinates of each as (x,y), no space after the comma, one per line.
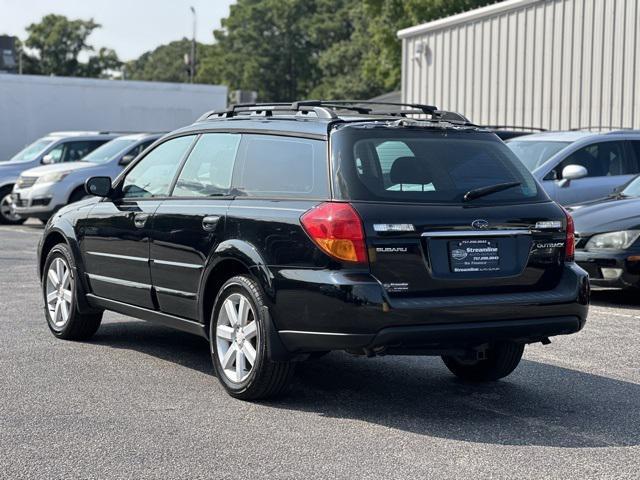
(272,46)
(288,49)
(101,64)
(164,64)
(368,63)
(58,42)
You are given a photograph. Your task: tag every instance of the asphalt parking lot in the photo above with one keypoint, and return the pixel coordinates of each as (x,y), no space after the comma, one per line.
(141,401)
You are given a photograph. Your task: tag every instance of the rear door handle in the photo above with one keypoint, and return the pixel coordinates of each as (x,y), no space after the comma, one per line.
(140,219)
(210,222)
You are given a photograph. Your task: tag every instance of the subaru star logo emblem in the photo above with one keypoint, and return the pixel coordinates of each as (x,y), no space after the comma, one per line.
(480,224)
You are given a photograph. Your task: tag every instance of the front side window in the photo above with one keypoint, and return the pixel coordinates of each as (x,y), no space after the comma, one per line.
(73,151)
(425,166)
(152,176)
(281,167)
(207,172)
(78,150)
(604,159)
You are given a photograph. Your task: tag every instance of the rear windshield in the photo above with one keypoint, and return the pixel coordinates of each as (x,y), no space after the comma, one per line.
(426,166)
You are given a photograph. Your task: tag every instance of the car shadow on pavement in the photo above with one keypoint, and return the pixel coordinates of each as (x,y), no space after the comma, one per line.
(167,344)
(539,404)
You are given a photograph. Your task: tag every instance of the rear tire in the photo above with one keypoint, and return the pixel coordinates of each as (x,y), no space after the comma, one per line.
(60,291)
(239,343)
(7,217)
(502,359)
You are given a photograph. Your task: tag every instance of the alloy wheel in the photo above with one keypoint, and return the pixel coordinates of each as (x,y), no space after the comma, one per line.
(59,292)
(7,210)
(236,337)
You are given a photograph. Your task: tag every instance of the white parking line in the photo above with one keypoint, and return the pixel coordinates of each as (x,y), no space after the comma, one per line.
(608,311)
(21,230)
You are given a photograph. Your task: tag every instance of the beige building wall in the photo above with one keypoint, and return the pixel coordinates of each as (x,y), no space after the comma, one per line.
(554,64)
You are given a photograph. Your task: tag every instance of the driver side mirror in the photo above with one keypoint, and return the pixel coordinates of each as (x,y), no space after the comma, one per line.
(47,159)
(572,172)
(98,186)
(126,159)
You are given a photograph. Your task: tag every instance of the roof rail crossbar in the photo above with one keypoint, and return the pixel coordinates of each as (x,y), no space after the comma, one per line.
(327,109)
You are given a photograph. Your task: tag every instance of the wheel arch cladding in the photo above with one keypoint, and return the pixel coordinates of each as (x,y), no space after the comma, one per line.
(213,279)
(52,239)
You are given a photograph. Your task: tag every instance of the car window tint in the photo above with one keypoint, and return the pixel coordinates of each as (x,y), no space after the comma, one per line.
(272,166)
(602,159)
(208,170)
(634,163)
(152,176)
(74,151)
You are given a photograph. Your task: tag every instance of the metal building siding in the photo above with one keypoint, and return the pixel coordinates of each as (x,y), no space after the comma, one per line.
(555,64)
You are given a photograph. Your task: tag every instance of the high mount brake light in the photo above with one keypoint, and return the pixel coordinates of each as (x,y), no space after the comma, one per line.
(337,229)
(570,245)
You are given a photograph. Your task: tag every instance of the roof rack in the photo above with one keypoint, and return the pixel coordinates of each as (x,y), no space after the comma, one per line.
(328,109)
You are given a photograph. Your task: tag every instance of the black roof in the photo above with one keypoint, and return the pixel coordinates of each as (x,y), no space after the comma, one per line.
(316,117)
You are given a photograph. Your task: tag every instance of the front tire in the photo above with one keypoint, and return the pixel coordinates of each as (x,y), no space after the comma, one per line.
(239,343)
(7,213)
(501,359)
(60,290)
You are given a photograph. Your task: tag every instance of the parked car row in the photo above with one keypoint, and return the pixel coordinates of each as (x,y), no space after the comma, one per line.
(51,172)
(592,174)
(595,175)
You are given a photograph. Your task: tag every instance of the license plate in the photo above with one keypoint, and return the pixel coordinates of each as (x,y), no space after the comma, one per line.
(474,255)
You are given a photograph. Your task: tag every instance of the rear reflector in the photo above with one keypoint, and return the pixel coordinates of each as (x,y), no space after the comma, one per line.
(570,244)
(337,229)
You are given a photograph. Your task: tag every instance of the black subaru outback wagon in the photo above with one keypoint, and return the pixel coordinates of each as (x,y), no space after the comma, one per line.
(280,232)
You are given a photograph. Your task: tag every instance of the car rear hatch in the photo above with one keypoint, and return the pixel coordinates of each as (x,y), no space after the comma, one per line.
(417,250)
(426,234)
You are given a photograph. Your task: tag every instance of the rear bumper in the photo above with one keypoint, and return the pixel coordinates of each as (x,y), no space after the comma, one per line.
(441,336)
(610,269)
(353,312)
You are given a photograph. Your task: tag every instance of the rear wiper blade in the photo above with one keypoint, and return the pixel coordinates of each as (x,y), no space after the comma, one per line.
(482,191)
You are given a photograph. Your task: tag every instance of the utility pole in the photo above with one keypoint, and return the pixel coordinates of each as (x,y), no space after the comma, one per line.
(192,69)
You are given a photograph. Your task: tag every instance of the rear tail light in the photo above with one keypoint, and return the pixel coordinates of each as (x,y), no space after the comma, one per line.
(570,245)
(337,229)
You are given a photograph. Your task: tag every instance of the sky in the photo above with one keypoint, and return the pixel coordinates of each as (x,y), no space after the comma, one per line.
(130,27)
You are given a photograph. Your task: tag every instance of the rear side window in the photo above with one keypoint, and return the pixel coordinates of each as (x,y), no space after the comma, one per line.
(423,166)
(281,167)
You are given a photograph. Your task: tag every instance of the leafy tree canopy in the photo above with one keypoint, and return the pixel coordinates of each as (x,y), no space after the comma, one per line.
(57,43)
(164,64)
(288,49)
